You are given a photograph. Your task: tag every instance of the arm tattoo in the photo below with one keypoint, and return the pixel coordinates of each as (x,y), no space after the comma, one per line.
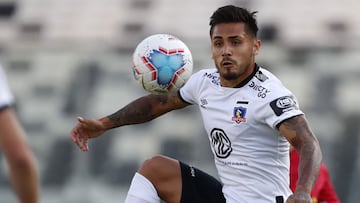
(299,128)
(309,150)
(142,110)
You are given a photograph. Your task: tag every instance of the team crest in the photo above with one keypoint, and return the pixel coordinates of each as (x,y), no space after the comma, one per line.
(239,114)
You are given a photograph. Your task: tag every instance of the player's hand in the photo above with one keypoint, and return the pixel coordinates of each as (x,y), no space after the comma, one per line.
(84,130)
(299,197)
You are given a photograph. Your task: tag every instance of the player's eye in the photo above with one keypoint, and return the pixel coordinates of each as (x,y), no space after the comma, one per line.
(236,42)
(217,43)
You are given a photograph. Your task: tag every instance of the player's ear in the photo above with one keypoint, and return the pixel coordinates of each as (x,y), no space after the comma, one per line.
(256,47)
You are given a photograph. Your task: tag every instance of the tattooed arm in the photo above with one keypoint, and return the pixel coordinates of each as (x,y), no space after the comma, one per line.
(141,110)
(300,136)
(145,109)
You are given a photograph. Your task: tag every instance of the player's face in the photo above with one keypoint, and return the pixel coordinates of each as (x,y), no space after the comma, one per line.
(233,51)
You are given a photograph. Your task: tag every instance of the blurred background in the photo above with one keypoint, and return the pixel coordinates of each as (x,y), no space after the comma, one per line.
(73,57)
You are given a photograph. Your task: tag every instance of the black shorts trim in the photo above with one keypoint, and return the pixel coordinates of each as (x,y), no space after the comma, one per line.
(199,187)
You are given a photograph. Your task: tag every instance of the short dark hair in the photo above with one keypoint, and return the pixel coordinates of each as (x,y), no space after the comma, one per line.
(230,14)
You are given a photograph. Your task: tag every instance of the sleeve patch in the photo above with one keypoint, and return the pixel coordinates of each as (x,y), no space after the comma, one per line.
(283,104)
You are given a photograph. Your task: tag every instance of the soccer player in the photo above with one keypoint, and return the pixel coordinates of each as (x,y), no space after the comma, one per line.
(323,190)
(13,143)
(250,119)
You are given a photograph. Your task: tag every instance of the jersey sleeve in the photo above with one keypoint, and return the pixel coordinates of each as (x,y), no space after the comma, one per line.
(280,105)
(190,90)
(6,98)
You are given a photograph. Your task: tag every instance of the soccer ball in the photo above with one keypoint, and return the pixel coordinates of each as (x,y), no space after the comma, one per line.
(162,63)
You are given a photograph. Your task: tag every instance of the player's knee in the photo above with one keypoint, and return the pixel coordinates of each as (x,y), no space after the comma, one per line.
(154,164)
(160,167)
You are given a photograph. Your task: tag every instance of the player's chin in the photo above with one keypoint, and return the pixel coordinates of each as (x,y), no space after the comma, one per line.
(229,75)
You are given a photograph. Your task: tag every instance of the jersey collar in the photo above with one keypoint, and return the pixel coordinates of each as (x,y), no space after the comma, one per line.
(244,82)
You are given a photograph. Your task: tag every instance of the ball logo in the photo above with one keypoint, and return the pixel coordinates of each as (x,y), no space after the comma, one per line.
(220,143)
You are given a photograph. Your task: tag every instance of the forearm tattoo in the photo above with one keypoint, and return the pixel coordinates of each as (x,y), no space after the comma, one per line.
(141,110)
(307,145)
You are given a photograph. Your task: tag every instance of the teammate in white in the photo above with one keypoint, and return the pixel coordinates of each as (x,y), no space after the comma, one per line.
(250,118)
(19,157)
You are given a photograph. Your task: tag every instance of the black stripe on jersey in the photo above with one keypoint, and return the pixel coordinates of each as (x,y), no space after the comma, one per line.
(242,102)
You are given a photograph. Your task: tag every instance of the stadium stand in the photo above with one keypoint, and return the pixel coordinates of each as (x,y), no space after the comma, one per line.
(68,58)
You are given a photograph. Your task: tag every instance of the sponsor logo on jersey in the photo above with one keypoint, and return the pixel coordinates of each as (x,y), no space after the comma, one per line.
(220,143)
(239,114)
(262,91)
(213,77)
(283,104)
(261,76)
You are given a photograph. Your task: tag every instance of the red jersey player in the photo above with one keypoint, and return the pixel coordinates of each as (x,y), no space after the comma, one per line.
(323,190)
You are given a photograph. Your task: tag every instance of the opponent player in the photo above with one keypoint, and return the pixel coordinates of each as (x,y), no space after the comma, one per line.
(20,159)
(323,190)
(249,116)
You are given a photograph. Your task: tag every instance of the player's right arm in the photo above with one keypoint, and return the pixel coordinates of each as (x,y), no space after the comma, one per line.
(141,110)
(297,131)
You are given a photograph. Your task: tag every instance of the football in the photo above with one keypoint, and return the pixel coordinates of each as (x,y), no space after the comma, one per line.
(162,63)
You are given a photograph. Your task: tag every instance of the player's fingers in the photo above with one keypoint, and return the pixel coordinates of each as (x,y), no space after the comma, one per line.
(78,142)
(86,145)
(73,135)
(83,144)
(77,133)
(79,139)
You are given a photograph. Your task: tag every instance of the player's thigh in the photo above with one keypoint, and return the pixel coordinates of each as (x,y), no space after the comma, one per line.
(199,187)
(165,174)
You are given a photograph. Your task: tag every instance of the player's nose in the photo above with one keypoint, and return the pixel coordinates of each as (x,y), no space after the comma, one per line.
(226,50)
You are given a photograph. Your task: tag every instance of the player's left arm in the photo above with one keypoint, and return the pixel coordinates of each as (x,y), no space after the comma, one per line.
(297,131)
(141,110)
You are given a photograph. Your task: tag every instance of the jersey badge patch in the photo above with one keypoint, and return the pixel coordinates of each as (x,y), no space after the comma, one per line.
(239,114)
(283,104)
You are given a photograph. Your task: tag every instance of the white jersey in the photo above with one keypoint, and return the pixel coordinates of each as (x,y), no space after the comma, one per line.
(251,156)
(6,98)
